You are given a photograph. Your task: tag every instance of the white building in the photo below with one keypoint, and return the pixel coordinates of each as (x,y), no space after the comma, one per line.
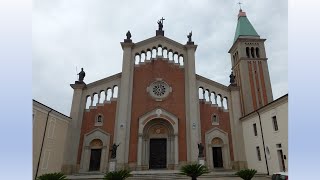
(48,148)
(267,127)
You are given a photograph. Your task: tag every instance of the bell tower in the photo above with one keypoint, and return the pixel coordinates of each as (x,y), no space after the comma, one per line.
(249,64)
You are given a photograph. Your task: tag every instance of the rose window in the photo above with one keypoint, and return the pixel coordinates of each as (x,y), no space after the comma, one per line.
(159,89)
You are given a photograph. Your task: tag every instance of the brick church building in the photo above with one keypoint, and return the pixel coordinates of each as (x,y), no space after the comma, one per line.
(158,110)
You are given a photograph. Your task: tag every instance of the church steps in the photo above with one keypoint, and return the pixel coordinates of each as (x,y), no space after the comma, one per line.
(152,175)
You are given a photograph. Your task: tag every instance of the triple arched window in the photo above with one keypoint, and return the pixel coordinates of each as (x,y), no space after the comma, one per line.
(252,52)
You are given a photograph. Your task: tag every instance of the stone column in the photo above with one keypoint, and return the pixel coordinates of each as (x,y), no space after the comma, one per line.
(236,129)
(73,135)
(176,150)
(123,115)
(140,148)
(192,105)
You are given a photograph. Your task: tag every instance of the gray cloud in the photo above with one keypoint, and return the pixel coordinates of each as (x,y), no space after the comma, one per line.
(70,34)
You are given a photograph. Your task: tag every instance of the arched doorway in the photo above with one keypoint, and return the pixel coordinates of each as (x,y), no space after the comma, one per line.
(95,151)
(95,157)
(217,149)
(157,137)
(217,152)
(158,140)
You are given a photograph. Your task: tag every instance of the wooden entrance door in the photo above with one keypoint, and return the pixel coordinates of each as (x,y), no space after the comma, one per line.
(217,157)
(158,153)
(95,160)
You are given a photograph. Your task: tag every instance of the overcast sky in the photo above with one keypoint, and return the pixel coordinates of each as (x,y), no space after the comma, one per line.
(72,33)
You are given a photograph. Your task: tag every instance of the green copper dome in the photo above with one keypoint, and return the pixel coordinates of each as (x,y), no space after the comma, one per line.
(244,27)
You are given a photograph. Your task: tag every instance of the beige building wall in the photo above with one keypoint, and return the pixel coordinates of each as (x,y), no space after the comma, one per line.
(272,138)
(54,142)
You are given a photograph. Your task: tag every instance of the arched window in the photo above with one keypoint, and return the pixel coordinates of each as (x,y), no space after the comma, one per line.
(154,52)
(159,51)
(257,53)
(143,56)
(109,94)
(201,93)
(234,61)
(115,92)
(247,52)
(252,52)
(102,97)
(214,120)
(181,60)
(137,59)
(98,120)
(95,99)
(88,102)
(165,52)
(175,58)
(225,102)
(170,55)
(148,54)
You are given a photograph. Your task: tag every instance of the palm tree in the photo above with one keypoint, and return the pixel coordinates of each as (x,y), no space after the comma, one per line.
(52,176)
(246,174)
(117,175)
(194,170)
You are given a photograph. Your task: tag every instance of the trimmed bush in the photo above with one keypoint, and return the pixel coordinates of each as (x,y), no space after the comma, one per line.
(52,176)
(246,174)
(117,175)
(194,170)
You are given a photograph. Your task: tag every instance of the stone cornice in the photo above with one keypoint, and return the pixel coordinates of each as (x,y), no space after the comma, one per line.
(104,80)
(281,100)
(245,40)
(47,109)
(155,38)
(126,44)
(210,82)
(234,87)
(190,46)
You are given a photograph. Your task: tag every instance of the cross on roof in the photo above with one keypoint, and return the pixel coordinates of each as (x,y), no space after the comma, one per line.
(239,4)
(162,20)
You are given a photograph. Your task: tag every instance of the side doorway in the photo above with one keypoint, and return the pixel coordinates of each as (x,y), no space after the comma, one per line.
(217,157)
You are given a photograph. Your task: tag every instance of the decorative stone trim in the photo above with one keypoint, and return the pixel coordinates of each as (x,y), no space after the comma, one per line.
(98,122)
(159,89)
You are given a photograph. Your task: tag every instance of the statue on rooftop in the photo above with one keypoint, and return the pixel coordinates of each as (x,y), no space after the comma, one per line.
(160,24)
(232,78)
(128,35)
(81,74)
(189,37)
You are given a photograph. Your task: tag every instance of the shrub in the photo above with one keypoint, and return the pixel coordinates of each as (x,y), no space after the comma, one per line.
(194,170)
(117,175)
(246,174)
(52,176)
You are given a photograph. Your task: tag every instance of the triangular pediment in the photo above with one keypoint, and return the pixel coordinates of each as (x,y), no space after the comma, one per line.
(161,41)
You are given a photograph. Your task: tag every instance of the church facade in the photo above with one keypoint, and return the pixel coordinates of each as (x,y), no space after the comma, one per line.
(158,113)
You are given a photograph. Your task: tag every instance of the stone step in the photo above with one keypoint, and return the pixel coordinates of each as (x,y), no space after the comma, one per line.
(156,175)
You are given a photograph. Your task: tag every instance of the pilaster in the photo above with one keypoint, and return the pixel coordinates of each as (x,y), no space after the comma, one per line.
(239,161)
(73,136)
(123,115)
(192,105)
